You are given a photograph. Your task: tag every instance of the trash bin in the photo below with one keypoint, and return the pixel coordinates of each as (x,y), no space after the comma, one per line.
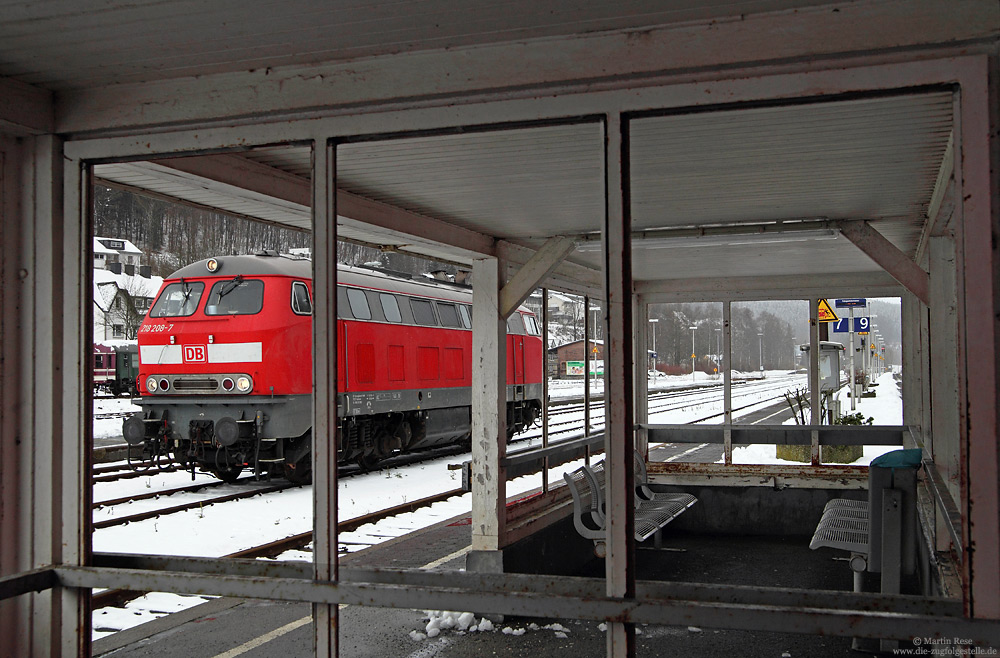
(894,470)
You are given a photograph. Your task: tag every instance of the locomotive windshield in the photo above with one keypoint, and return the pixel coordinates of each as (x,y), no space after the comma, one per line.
(178,300)
(235,297)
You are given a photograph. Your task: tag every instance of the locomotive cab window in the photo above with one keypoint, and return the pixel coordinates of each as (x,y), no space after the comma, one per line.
(359,304)
(390,307)
(448,315)
(301,304)
(531,325)
(236,297)
(514,324)
(423,312)
(178,300)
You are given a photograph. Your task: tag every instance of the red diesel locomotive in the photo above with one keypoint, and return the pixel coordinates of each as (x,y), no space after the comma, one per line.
(225,367)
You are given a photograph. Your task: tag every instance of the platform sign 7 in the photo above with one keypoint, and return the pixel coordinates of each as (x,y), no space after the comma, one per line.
(861,325)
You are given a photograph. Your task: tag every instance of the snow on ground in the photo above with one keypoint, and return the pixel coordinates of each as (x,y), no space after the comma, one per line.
(216,530)
(886,408)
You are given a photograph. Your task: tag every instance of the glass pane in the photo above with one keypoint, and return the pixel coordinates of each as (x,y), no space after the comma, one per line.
(448,315)
(235,297)
(422,312)
(301,304)
(178,300)
(359,304)
(466,318)
(390,307)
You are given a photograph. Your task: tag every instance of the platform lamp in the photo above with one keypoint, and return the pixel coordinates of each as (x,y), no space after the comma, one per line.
(652,330)
(692,353)
(760,351)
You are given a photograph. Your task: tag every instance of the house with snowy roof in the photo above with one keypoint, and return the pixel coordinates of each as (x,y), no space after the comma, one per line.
(123,289)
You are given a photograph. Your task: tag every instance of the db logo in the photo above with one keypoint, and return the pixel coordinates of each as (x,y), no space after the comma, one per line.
(194,353)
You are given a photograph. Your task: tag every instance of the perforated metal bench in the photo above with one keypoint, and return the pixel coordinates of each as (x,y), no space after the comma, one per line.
(879,532)
(651,514)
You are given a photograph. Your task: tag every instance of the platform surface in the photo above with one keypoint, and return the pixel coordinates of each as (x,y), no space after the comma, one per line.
(255,629)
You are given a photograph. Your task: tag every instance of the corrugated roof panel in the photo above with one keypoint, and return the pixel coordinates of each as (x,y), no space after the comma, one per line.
(865,158)
(516,183)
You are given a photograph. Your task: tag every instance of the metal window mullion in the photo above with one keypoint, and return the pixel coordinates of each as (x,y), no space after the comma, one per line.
(545,386)
(325,353)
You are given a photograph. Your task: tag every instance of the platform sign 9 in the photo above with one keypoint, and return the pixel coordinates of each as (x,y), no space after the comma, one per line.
(861,325)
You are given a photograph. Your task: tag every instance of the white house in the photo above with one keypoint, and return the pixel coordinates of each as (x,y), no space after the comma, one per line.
(109,251)
(121,302)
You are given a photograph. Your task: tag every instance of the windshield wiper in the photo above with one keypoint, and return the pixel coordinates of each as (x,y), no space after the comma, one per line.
(229,287)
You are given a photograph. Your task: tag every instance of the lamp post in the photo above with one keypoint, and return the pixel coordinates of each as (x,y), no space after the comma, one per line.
(718,346)
(692,353)
(760,352)
(652,330)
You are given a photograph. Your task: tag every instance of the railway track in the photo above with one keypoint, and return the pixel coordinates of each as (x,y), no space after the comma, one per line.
(294,542)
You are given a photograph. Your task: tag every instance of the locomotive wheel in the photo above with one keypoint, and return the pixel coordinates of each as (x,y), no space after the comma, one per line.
(368,461)
(228,474)
(301,473)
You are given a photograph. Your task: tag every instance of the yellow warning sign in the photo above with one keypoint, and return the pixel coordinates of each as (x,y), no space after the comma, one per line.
(693,356)
(826,313)
(594,350)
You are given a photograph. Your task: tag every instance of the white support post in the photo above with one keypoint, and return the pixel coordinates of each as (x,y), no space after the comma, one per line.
(853,387)
(66,197)
(489,417)
(324,442)
(727,380)
(944,362)
(13,317)
(641,359)
(619,437)
(814,379)
(977,170)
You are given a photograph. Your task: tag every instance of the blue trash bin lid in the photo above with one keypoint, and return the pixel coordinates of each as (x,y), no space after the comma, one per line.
(899,459)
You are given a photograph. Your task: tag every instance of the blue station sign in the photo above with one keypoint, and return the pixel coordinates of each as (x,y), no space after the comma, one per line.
(861,325)
(848,303)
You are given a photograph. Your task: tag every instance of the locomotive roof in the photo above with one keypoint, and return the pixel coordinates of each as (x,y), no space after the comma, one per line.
(283,265)
(255,265)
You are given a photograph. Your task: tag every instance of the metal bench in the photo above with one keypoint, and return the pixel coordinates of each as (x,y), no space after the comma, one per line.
(651,514)
(880,533)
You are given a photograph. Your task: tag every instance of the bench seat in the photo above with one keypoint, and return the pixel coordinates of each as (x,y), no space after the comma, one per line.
(587,485)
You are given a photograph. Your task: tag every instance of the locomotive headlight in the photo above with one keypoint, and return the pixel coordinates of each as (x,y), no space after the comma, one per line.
(151,384)
(244,384)
(212,265)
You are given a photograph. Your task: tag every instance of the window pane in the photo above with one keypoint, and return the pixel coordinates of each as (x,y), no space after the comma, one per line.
(466,318)
(531,325)
(390,307)
(359,304)
(514,324)
(423,313)
(235,297)
(301,304)
(178,300)
(448,315)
